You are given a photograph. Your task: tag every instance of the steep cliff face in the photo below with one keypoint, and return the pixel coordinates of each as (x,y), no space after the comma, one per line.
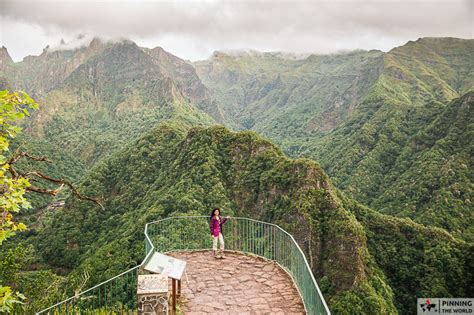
(96,98)
(40,74)
(5,59)
(5,64)
(174,170)
(186,78)
(280,96)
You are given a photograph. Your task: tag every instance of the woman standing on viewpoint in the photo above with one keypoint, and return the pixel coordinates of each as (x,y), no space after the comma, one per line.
(216,231)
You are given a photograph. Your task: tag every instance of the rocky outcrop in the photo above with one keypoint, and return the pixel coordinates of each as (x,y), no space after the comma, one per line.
(5,58)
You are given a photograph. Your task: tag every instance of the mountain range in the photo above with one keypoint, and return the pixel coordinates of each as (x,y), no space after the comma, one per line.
(366,117)
(391,221)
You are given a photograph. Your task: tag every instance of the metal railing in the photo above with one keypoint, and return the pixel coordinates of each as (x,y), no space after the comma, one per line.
(118,295)
(114,296)
(244,235)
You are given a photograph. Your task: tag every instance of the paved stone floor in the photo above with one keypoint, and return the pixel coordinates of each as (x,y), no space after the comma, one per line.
(238,284)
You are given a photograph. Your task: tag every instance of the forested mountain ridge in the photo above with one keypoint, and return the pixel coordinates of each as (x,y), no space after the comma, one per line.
(283,97)
(185,76)
(362,110)
(107,81)
(355,113)
(369,156)
(41,74)
(96,99)
(173,170)
(109,100)
(433,176)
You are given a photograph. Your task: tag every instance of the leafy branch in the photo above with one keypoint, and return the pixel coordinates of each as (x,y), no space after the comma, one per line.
(32,176)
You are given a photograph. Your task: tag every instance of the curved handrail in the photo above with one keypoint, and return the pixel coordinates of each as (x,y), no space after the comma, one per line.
(265,249)
(150,249)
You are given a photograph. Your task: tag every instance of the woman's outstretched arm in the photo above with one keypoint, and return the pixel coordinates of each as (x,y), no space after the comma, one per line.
(225,219)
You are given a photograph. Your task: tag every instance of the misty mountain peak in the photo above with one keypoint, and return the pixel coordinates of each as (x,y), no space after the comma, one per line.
(95,42)
(5,56)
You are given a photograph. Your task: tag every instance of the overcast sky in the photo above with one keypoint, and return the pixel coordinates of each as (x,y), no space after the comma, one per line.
(194,29)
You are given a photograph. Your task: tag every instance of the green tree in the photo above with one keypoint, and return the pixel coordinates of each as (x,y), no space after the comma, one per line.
(15,183)
(13,108)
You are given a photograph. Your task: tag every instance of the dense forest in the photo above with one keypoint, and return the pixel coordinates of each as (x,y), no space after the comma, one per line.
(375,121)
(136,129)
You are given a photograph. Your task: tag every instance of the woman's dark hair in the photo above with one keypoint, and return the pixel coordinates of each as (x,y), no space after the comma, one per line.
(214,210)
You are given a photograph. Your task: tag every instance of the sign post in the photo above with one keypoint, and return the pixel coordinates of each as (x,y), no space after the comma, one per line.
(168,266)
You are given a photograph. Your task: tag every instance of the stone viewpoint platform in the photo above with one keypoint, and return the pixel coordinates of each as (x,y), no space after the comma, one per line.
(238,284)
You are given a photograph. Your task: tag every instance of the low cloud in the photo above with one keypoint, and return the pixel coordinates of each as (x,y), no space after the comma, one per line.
(193,29)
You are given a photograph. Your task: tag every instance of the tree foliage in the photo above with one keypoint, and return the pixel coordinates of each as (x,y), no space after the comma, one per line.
(13,107)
